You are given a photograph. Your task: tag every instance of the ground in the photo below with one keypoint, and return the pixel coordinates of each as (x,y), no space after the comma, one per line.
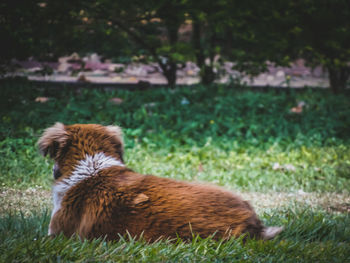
(25,201)
(286,152)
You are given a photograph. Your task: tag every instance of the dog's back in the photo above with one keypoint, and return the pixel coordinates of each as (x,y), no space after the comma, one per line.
(100,197)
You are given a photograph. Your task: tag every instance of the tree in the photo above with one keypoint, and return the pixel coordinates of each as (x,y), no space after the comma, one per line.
(247,33)
(244,32)
(323,31)
(151,25)
(258,34)
(44,29)
(208,19)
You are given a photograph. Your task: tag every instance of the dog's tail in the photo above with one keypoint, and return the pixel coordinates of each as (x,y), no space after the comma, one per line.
(271,231)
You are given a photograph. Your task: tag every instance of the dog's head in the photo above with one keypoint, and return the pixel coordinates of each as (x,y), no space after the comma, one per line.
(69,145)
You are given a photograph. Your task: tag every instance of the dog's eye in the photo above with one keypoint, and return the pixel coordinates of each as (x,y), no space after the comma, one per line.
(56,172)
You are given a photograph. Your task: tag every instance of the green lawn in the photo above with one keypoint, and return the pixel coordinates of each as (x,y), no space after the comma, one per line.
(243,140)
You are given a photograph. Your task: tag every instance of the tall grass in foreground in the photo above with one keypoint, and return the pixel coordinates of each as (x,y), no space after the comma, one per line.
(310,236)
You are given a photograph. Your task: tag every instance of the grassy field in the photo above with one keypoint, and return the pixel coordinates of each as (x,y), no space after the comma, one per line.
(294,168)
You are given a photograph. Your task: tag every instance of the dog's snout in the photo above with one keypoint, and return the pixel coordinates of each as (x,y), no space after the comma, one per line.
(56,171)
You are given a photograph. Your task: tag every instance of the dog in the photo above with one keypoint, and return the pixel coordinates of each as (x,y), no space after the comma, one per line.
(96,195)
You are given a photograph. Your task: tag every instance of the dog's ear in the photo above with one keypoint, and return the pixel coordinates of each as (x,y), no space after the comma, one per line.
(117,132)
(52,139)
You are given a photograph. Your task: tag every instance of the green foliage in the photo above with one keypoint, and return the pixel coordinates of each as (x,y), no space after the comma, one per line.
(322,30)
(22,165)
(242,140)
(252,35)
(151,25)
(41,29)
(171,32)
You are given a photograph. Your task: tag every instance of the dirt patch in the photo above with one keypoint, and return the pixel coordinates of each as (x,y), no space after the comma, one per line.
(342,208)
(331,202)
(34,199)
(24,201)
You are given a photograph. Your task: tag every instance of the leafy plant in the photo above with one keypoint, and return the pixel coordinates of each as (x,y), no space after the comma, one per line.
(239,139)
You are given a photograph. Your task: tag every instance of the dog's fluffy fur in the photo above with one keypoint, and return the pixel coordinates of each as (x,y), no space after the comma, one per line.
(95,195)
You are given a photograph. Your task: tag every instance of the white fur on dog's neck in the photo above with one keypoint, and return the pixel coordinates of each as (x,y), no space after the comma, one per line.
(86,168)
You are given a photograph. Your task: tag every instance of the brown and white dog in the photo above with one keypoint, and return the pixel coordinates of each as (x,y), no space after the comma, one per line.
(95,195)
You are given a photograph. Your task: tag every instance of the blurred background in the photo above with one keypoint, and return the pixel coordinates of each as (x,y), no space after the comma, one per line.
(249,95)
(271,42)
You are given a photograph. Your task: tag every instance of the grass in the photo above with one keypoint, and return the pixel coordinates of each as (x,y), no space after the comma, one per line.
(319,238)
(243,140)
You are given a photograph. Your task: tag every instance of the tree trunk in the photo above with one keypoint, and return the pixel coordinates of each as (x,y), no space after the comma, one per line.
(196,42)
(170,73)
(207,73)
(168,67)
(338,78)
